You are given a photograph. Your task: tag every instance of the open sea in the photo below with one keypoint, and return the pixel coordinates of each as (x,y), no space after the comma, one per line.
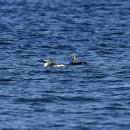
(95,96)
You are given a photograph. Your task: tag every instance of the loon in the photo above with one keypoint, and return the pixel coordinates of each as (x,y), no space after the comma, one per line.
(47,63)
(73,60)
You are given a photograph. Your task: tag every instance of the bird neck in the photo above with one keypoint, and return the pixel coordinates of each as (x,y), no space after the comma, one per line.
(73,59)
(49,62)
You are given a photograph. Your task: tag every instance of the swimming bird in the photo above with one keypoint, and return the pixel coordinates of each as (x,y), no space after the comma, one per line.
(73,60)
(47,63)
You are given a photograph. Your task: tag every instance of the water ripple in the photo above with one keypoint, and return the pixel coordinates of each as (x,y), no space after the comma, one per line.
(93,96)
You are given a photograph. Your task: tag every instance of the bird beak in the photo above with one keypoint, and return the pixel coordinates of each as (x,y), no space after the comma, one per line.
(69,54)
(44,61)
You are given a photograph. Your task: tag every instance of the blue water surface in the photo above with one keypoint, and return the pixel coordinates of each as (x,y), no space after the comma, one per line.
(95,96)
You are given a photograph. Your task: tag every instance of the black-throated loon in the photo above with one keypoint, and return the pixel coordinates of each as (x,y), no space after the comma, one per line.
(47,63)
(73,60)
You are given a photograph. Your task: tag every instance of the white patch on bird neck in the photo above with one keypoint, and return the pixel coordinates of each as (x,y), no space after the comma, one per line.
(45,64)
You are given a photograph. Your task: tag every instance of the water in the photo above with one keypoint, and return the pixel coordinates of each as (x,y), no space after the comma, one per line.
(95,96)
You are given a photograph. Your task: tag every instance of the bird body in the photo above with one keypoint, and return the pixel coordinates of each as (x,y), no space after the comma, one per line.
(73,60)
(48,63)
